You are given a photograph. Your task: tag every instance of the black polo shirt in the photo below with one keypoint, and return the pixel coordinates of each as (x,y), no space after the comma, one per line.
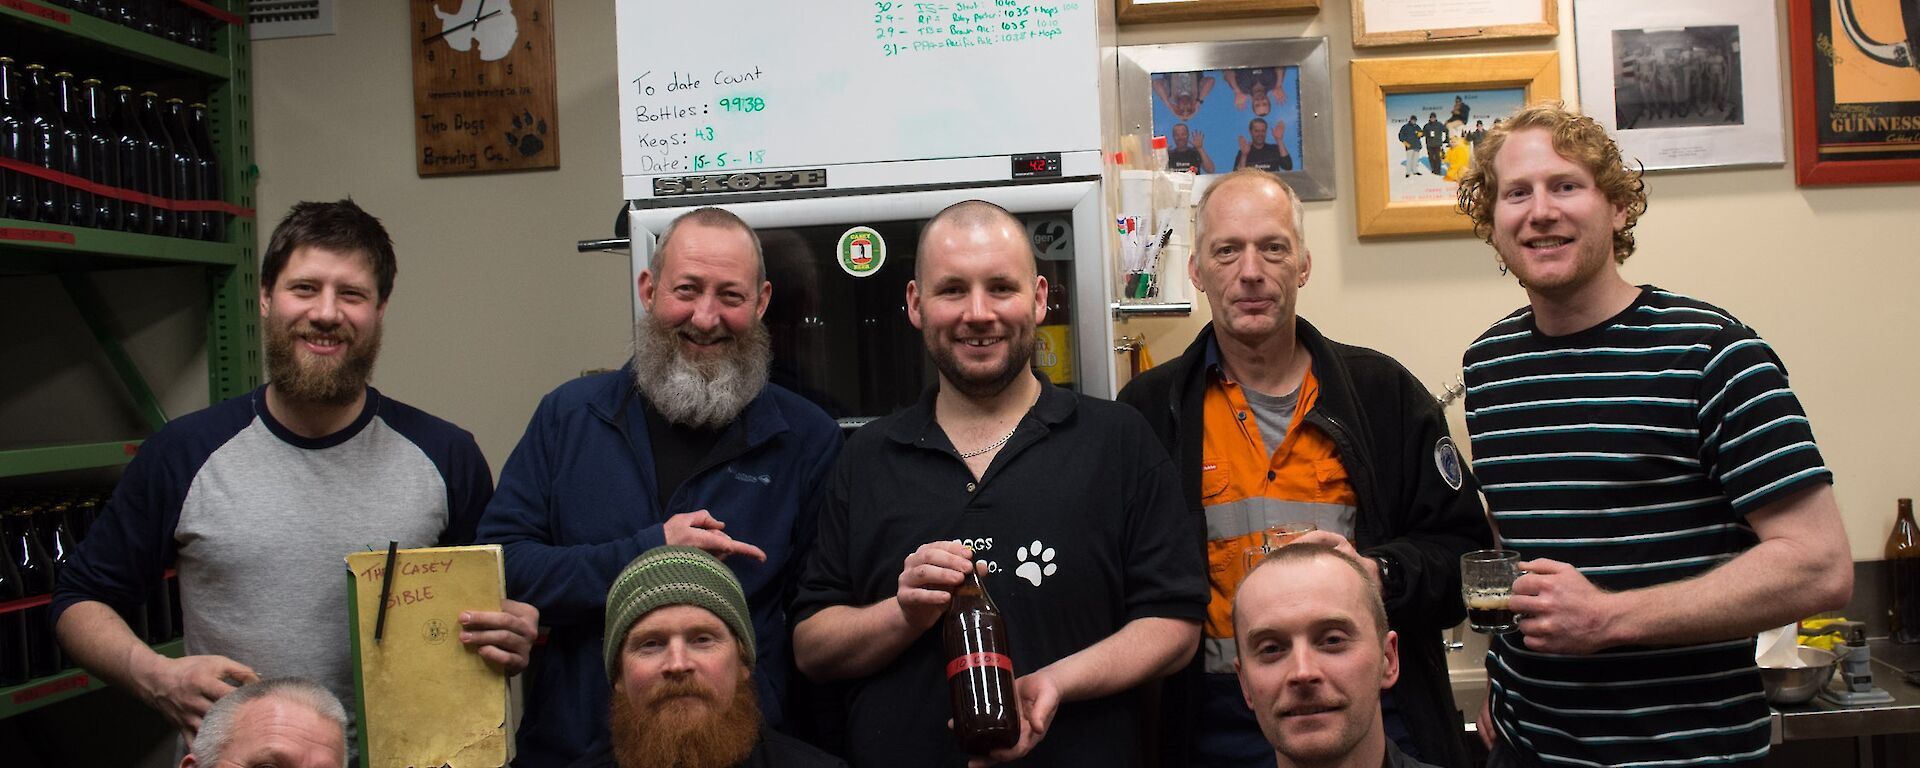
(1080,520)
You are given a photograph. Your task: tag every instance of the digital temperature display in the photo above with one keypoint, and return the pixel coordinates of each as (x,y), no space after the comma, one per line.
(1031,166)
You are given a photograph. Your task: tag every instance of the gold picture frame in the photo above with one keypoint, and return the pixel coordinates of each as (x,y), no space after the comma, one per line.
(1156,11)
(1382,205)
(1422,28)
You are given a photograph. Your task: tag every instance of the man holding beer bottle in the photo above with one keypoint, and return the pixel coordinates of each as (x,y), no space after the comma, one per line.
(1272,422)
(1063,504)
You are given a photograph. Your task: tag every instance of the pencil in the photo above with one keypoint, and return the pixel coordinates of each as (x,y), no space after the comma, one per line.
(386,590)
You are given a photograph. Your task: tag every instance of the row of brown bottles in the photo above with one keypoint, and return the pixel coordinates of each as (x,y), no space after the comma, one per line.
(39,534)
(142,146)
(170,19)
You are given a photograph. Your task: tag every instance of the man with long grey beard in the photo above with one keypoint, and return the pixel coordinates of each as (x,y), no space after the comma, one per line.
(255,500)
(687,445)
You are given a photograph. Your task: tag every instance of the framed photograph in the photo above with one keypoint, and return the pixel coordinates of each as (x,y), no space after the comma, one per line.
(1150,11)
(1229,105)
(1684,85)
(1407,22)
(1856,90)
(1415,124)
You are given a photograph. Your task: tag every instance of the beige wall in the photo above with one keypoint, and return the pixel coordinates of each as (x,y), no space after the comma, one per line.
(493,307)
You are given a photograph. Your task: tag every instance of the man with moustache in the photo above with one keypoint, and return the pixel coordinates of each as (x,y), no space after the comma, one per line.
(1644,450)
(1271,422)
(1065,504)
(679,653)
(1314,655)
(256,500)
(687,444)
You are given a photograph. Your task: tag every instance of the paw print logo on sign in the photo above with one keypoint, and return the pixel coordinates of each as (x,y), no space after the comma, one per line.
(1036,562)
(526,134)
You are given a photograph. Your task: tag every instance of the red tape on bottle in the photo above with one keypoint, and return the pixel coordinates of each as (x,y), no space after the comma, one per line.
(969,661)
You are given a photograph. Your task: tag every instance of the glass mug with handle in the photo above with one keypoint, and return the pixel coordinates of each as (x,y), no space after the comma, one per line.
(1486,584)
(1276,536)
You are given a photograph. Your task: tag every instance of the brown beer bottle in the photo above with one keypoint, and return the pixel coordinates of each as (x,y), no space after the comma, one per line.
(986,714)
(1903,559)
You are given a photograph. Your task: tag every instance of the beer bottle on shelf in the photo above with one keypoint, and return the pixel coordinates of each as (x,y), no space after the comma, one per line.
(16,189)
(166,221)
(173,21)
(986,715)
(214,185)
(103,154)
(80,516)
(13,624)
(152,13)
(136,160)
(188,174)
(75,159)
(1903,559)
(44,144)
(36,578)
(125,13)
(199,30)
(52,524)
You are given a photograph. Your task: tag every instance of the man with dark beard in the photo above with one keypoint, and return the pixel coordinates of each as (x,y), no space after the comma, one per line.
(1105,585)
(687,445)
(256,499)
(679,653)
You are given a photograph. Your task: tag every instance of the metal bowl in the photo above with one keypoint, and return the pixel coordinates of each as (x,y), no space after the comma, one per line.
(1797,685)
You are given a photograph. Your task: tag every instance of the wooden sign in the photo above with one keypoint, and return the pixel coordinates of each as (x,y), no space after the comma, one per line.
(483,86)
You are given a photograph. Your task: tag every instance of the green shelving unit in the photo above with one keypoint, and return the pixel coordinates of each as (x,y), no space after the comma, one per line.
(53,689)
(229,267)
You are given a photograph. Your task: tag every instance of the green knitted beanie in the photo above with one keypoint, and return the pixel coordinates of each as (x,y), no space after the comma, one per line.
(671,575)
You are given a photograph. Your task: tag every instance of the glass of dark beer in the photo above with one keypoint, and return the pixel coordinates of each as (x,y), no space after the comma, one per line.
(1486,583)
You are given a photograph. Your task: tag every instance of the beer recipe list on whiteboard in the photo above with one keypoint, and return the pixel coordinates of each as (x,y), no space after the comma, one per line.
(734,85)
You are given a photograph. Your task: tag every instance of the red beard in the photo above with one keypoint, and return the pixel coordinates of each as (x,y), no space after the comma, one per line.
(657,733)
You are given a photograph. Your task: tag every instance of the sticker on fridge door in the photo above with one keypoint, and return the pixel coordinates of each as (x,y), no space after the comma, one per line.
(862,252)
(1052,238)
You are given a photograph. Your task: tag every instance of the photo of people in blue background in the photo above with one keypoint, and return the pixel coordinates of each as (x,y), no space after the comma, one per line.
(1431,136)
(1219,120)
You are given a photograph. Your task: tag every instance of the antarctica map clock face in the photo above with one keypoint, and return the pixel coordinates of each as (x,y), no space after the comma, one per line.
(483,86)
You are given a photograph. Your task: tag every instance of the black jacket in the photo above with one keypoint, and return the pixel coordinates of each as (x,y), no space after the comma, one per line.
(1392,438)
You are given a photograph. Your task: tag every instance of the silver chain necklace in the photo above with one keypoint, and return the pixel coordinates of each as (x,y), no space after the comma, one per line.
(995,444)
(1003,438)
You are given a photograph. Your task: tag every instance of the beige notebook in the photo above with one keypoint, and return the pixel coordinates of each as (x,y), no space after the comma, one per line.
(424,699)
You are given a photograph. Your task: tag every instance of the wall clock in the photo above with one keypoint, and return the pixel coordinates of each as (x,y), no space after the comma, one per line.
(483,86)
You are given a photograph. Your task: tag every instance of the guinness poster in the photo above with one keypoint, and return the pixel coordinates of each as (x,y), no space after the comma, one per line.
(1857,93)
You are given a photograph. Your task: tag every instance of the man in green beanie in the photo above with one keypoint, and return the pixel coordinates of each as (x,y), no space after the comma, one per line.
(679,653)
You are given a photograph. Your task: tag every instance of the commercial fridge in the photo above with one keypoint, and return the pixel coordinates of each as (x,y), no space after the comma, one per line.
(841,336)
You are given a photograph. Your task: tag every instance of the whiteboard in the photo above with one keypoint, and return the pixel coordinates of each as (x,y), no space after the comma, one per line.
(877,93)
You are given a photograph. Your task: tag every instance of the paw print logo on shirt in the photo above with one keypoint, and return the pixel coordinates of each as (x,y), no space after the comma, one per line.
(1036,562)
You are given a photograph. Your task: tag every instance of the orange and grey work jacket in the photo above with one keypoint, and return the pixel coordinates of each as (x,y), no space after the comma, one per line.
(1247,487)
(1417,509)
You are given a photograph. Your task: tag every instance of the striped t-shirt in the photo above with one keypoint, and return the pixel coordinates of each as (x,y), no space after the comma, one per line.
(1633,450)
